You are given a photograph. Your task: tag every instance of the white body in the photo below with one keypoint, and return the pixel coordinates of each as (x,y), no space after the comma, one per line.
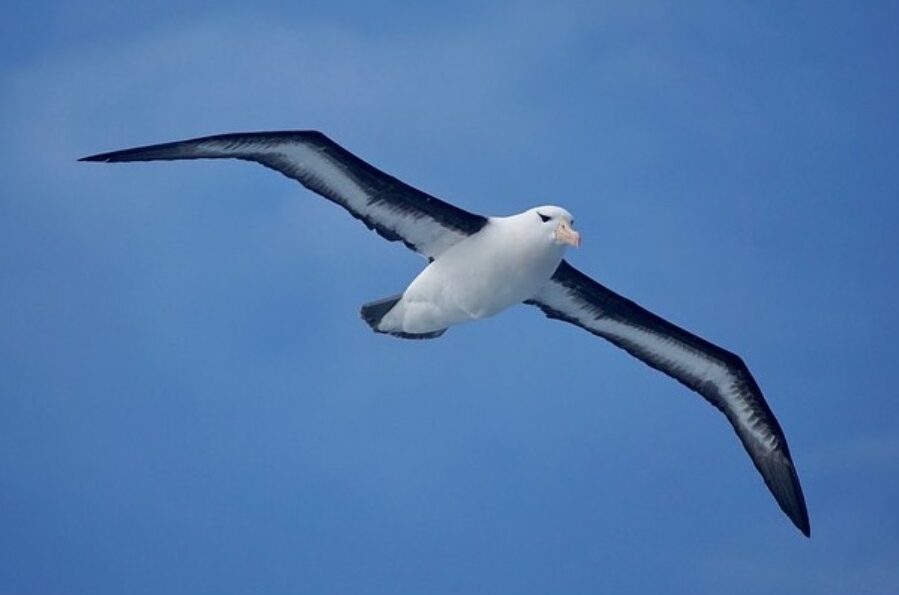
(505,263)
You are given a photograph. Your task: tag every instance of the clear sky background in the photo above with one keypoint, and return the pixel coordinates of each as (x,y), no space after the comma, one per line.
(190,403)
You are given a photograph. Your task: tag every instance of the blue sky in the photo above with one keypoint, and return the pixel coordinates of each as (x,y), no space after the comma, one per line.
(191,403)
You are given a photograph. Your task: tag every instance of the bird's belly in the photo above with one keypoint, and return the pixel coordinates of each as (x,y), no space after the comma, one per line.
(461,289)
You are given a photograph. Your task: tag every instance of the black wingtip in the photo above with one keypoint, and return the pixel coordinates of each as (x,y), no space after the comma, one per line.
(793,504)
(800,519)
(803,526)
(796,509)
(802,523)
(113,156)
(783,481)
(187,149)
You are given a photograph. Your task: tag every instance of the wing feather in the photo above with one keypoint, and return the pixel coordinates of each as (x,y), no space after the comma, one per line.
(394,209)
(718,375)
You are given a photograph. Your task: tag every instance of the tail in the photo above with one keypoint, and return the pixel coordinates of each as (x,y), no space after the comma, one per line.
(373,312)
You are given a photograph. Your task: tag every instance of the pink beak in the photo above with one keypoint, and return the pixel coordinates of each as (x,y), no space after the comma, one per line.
(566,235)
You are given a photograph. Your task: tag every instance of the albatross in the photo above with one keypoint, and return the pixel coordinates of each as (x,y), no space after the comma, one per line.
(478,266)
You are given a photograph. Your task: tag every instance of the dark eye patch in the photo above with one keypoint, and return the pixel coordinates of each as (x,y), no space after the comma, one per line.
(543,217)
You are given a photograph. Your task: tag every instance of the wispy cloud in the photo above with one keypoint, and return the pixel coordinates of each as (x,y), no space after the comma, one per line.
(247,72)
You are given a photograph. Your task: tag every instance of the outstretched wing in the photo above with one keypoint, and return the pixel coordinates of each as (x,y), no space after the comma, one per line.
(718,375)
(392,208)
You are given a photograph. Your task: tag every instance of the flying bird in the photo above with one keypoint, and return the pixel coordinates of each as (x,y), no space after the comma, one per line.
(478,266)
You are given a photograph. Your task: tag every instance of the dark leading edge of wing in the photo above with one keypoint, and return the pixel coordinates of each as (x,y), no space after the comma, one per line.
(718,375)
(392,208)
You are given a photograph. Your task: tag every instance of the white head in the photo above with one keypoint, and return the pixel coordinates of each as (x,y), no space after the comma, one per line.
(558,224)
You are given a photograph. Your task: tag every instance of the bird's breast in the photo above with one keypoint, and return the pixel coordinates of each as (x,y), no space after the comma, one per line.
(484,275)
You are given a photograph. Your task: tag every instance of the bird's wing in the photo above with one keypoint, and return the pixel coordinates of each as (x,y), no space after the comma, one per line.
(392,208)
(718,375)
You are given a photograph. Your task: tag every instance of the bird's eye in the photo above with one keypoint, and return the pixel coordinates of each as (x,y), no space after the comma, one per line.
(543,217)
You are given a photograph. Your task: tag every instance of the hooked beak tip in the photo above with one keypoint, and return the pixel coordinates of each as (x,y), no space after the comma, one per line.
(572,237)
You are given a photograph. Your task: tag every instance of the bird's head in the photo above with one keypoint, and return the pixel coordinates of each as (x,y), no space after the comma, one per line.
(558,223)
